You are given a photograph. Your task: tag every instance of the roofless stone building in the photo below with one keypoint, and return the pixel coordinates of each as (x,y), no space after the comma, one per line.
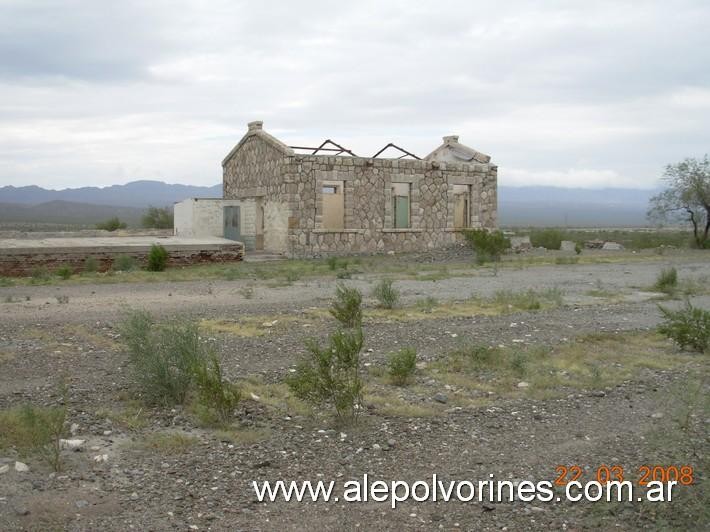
(330,201)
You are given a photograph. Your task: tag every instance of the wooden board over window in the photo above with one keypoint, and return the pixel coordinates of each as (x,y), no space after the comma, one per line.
(401,205)
(333,206)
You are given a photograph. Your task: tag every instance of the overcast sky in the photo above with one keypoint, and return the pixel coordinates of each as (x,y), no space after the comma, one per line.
(589,94)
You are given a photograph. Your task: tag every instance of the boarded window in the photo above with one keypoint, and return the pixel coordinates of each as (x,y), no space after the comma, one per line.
(401,205)
(462,206)
(333,206)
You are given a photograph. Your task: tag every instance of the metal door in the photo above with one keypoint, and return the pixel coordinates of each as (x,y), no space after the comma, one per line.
(232,226)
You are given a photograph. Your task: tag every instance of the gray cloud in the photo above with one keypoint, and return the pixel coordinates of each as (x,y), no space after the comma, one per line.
(593,94)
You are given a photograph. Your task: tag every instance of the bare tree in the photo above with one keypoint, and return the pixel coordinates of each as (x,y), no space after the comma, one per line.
(686,198)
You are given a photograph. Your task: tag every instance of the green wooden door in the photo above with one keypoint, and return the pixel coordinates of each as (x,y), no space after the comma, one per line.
(401,212)
(232,227)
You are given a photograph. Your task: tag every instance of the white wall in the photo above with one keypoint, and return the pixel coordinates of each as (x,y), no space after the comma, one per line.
(201,217)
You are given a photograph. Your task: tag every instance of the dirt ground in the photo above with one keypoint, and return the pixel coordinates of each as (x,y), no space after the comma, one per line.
(609,392)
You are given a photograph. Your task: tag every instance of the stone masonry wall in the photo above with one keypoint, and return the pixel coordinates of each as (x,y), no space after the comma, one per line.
(291,188)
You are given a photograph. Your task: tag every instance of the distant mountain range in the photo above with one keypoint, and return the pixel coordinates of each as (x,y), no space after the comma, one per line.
(517,206)
(139,194)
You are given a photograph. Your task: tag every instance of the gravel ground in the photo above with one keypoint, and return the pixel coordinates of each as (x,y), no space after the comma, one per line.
(207,487)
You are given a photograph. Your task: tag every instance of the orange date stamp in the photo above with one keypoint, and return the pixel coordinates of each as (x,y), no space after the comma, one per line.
(681,474)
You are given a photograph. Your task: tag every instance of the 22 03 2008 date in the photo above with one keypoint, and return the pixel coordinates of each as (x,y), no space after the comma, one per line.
(682,474)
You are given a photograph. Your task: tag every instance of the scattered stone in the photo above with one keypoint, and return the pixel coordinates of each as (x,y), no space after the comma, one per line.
(657,415)
(376,447)
(74,428)
(4,469)
(520,244)
(134,496)
(594,244)
(598,393)
(108,432)
(71,444)
(21,467)
(391,442)
(441,398)
(82,504)
(523,384)
(21,510)
(254,397)
(612,246)
(101,458)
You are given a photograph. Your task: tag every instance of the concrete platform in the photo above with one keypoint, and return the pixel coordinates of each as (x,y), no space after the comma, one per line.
(21,256)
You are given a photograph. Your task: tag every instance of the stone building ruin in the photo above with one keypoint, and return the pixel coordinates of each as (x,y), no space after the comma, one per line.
(330,201)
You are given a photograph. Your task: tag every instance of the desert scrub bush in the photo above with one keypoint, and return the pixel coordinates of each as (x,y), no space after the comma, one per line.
(5,281)
(527,300)
(336,263)
(689,327)
(331,374)
(471,358)
(40,275)
(667,281)
(157,258)
(215,394)
(163,356)
(386,294)
(91,265)
(112,224)
(124,263)
(65,272)
(401,365)
(546,238)
(426,304)
(62,299)
(347,307)
(169,443)
(488,245)
(35,430)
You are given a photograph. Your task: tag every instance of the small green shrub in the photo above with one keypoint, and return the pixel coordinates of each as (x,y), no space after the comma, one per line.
(63,299)
(488,245)
(158,218)
(566,260)
(472,358)
(112,224)
(215,394)
(547,238)
(91,265)
(427,304)
(331,374)
(6,281)
(40,275)
(667,281)
(124,263)
(386,294)
(578,248)
(347,307)
(65,272)
(519,363)
(336,263)
(689,327)
(292,276)
(163,356)
(157,258)
(401,365)
(35,430)
(528,300)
